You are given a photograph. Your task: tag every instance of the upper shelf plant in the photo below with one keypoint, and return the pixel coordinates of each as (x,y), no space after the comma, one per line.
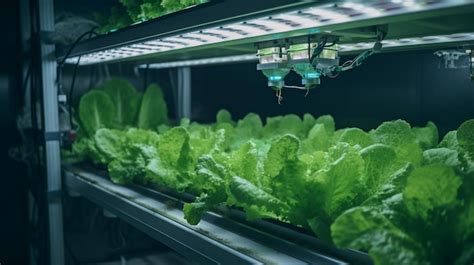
(128,12)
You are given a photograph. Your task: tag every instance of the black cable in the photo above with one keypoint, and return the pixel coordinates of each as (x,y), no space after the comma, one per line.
(317,50)
(71,91)
(74,259)
(330,44)
(73,81)
(71,48)
(26,79)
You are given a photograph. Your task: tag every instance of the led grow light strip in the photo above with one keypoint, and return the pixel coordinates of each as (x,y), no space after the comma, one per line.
(343,48)
(205,61)
(408,42)
(306,19)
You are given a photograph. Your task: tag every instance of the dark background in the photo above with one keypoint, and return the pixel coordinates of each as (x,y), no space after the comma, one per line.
(412,85)
(13,211)
(407,85)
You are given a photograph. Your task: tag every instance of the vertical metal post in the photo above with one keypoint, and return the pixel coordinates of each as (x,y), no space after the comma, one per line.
(184,92)
(51,133)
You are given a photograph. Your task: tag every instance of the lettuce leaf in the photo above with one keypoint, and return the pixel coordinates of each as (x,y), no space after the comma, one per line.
(281,125)
(400,136)
(380,163)
(97,110)
(256,202)
(430,187)
(357,136)
(338,187)
(365,228)
(213,177)
(427,136)
(318,139)
(224,116)
(450,141)
(125,98)
(465,137)
(153,109)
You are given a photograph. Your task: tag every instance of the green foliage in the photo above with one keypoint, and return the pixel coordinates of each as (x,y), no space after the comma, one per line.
(256,202)
(355,136)
(318,139)
(431,187)
(224,116)
(128,12)
(465,137)
(278,126)
(117,18)
(125,98)
(394,192)
(450,141)
(153,109)
(339,186)
(443,155)
(248,128)
(97,110)
(367,229)
(328,122)
(380,163)
(427,136)
(400,136)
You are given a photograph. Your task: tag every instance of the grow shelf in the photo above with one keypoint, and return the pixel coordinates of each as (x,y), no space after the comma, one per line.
(217,239)
(233,27)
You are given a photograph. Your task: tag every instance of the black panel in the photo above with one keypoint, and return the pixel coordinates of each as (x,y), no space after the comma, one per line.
(13,221)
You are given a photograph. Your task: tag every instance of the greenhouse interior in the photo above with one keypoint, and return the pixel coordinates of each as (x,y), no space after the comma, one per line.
(237,132)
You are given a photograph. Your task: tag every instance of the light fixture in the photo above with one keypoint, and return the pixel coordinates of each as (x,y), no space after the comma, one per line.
(365,9)
(204,61)
(342,49)
(307,20)
(410,42)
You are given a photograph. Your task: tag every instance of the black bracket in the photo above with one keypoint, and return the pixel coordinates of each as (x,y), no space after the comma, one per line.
(52,136)
(54,195)
(48,37)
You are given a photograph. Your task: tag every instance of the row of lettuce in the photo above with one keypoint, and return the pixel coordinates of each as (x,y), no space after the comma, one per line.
(396,192)
(127,12)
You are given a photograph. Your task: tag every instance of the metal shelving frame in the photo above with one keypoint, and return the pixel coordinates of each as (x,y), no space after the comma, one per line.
(215,240)
(50,125)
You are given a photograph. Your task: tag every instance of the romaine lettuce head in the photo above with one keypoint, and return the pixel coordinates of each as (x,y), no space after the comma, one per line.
(153,110)
(125,98)
(97,110)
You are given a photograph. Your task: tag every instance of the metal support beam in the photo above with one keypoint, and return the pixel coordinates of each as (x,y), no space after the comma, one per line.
(184,92)
(51,125)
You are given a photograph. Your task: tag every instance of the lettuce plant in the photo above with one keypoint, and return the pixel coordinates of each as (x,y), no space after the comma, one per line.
(394,192)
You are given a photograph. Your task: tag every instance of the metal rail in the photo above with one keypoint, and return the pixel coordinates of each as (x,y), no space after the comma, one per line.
(52,157)
(216,240)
